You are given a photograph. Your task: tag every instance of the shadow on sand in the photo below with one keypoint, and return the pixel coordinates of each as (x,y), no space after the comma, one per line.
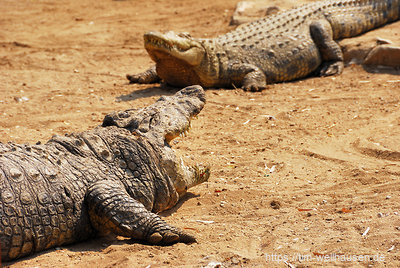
(148,92)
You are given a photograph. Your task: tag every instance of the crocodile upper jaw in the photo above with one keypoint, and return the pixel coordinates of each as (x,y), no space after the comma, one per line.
(179,46)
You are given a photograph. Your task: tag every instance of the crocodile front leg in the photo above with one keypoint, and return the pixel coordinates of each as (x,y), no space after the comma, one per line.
(112,209)
(331,54)
(149,76)
(249,76)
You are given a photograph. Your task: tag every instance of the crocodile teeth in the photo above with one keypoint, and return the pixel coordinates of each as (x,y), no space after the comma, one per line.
(161,43)
(184,133)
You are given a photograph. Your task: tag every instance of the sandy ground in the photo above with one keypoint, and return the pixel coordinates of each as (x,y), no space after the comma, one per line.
(300,171)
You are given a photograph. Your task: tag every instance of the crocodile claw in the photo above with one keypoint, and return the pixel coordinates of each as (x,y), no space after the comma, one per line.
(147,77)
(331,68)
(169,237)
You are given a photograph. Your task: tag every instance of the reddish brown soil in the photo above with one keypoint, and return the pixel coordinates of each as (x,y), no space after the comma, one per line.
(332,142)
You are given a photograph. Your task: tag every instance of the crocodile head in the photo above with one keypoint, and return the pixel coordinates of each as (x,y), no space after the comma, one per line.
(160,123)
(176,57)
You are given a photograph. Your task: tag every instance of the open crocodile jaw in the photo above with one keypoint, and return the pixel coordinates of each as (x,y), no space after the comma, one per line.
(185,176)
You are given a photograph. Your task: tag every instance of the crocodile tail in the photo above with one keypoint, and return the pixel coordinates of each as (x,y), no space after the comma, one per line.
(352,17)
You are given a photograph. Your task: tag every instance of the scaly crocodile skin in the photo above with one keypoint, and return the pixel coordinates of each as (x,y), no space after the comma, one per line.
(282,47)
(113,178)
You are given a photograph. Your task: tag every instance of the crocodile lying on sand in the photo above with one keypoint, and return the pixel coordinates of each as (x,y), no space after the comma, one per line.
(113,178)
(282,47)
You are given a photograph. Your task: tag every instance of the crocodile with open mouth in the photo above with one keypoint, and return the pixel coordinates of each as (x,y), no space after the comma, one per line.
(111,179)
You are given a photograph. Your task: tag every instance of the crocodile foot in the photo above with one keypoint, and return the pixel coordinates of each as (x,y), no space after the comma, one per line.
(255,80)
(331,68)
(253,88)
(147,77)
(170,236)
